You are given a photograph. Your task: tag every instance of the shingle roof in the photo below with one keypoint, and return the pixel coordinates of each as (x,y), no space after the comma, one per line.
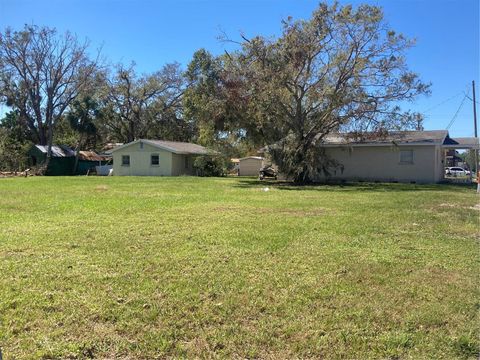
(181,147)
(393,137)
(172,146)
(57,151)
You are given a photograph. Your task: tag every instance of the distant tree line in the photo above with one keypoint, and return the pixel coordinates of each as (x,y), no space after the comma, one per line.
(343,69)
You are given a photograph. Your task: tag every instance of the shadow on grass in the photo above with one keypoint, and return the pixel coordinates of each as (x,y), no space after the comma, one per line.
(351,186)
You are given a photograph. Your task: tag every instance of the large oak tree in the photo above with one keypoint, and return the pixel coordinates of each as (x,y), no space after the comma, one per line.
(343,69)
(41,74)
(145,106)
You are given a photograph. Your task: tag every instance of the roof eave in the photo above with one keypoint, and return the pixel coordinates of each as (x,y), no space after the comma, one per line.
(158,146)
(161,147)
(380,144)
(151,143)
(122,146)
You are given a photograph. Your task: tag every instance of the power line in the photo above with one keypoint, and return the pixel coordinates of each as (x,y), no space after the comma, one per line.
(443,102)
(469,98)
(456,113)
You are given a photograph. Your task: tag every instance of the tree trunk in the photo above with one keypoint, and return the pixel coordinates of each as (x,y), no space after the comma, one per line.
(49,142)
(77,150)
(131,133)
(42,136)
(303,177)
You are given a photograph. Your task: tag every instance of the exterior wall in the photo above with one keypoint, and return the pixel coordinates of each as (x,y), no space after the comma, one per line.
(60,166)
(36,157)
(140,161)
(249,166)
(178,165)
(382,163)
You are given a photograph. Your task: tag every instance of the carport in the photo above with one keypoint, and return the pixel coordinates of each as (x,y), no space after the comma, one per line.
(463,143)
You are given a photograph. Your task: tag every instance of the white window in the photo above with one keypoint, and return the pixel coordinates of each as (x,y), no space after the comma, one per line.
(154,160)
(125,160)
(406,156)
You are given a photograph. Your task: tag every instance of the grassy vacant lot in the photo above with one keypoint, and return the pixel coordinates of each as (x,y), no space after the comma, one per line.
(196,267)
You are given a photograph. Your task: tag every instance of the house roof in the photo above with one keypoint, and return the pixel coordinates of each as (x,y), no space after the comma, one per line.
(427,137)
(175,147)
(57,150)
(431,137)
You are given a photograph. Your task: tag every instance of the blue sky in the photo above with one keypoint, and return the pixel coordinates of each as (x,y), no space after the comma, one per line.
(152,33)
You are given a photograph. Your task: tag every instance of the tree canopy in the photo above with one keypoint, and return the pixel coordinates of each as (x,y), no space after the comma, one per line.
(145,106)
(342,70)
(41,73)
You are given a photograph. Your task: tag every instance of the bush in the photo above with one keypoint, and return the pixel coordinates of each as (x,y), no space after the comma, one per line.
(13,154)
(208,165)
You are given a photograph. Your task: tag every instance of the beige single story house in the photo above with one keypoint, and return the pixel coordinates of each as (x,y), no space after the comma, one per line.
(156,158)
(399,156)
(250,165)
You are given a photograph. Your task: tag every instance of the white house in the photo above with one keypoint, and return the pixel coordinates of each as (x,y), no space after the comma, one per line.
(156,158)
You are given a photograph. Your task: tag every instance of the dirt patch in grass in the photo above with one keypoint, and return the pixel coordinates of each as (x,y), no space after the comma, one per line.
(449,205)
(15,253)
(272,211)
(292,212)
(12,205)
(101,188)
(476,207)
(228,208)
(456,206)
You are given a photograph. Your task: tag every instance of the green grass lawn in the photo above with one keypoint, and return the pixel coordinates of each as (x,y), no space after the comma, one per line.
(124,267)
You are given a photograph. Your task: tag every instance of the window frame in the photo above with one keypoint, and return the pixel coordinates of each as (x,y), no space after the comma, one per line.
(406,162)
(151,159)
(123,160)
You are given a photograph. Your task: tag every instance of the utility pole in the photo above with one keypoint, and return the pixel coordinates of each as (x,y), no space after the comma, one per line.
(475,128)
(474,109)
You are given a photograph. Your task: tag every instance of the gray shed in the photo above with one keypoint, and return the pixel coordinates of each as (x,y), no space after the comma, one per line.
(250,166)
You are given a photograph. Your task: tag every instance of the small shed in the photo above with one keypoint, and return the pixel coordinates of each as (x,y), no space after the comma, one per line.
(61,161)
(250,166)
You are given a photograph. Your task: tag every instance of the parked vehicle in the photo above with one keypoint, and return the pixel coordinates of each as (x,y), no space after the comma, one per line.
(267,171)
(456,171)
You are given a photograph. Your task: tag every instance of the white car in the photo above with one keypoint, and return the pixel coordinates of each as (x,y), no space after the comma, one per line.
(456,171)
